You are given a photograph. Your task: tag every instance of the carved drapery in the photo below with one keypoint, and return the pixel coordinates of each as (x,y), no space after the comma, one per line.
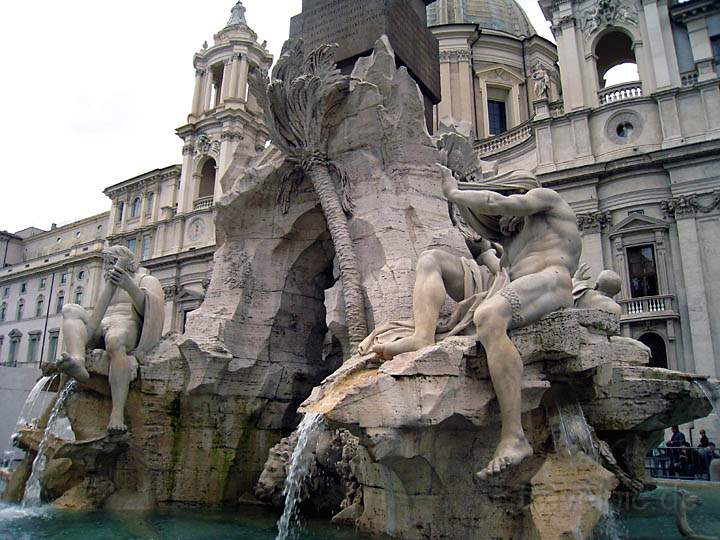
(690,205)
(594,222)
(455,55)
(608,12)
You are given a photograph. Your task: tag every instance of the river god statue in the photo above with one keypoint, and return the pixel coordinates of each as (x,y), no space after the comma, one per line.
(126,322)
(534,232)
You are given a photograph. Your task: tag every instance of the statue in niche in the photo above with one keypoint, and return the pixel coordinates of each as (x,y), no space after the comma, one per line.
(528,249)
(126,322)
(542,81)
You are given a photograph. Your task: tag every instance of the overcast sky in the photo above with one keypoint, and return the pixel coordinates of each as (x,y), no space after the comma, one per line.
(92,91)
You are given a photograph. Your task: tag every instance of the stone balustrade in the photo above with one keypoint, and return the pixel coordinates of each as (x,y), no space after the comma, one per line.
(506,140)
(203,203)
(689,78)
(647,305)
(620,92)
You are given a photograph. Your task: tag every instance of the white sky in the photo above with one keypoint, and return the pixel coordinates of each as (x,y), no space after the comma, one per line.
(92,91)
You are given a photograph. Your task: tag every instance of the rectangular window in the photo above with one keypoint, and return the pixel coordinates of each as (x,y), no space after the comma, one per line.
(60,303)
(643,271)
(6,292)
(12,352)
(715,41)
(497,117)
(23,288)
(33,348)
(53,346)
(43,283)
(132,244)
(63,278)
(145,248)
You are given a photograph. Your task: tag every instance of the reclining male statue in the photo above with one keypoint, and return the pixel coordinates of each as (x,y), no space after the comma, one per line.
(540,244)
(127,322)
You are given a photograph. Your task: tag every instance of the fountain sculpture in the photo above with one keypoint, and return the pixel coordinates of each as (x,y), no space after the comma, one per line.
(322,239)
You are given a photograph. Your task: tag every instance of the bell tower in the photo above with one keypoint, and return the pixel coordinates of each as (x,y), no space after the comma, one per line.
(224,117)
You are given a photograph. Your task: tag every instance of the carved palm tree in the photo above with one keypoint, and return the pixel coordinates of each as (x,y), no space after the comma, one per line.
(303,91)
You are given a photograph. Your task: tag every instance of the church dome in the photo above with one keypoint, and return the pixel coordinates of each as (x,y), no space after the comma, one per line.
(502,15)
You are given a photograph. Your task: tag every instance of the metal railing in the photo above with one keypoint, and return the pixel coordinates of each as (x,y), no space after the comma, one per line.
(647,305)
(203,203)
(684,462)
(620,92)
(505,140)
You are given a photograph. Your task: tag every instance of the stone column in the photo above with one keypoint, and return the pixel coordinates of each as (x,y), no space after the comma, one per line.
(591,226)
(126,212)
(112,218)
(234,75)
(143,207)
(243,78)
(227,81)
(657,45)
(701,48)
(156,204)
(445,106)
(694,282)
(197,95)
(207,92)
(466,85)
(185,196)
(569,60)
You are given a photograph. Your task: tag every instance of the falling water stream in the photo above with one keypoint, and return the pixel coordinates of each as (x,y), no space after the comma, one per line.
(712,392)
(33,487)
(298,470)
(572,434)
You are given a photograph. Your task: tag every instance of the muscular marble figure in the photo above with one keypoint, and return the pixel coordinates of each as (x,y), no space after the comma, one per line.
(127,322)
(541,251)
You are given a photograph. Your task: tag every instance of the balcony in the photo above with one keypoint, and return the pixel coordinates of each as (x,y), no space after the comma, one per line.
(505,140)
(620,92)
(648,307)
(203,203)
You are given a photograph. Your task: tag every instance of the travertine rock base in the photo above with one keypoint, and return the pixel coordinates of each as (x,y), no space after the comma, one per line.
(429,420)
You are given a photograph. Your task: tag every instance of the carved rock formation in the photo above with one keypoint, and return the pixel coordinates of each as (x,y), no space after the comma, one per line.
(429,421)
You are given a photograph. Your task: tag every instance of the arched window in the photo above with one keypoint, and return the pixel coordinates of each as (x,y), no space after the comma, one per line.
(150,203)
(79,296)
(657,346)
(207,179)
(60,302)
(616,62)
(40,306)
(81,275)
(135,208)
(3,311)
(20,310)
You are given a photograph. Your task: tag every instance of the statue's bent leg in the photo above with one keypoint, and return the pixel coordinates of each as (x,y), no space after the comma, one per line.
(521,303)
(119,340)
(75,341)
(438,274)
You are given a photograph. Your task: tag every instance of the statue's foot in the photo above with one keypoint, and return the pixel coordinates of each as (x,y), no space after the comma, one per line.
(405,345)
(116,426)
(74,367)
(508,454)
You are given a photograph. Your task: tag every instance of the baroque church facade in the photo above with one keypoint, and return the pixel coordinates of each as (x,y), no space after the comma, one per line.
(637,160)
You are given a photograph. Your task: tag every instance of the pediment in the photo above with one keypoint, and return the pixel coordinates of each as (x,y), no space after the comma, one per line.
(498,74)
(638,222)
(187,295)
(15,333)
